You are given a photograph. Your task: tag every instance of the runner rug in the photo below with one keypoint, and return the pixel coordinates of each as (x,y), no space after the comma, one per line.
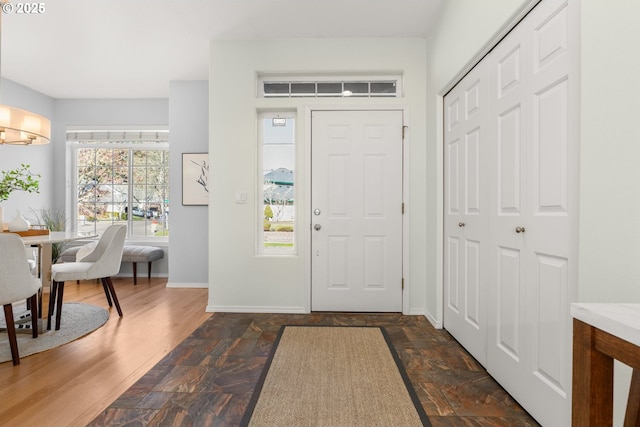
(334,377)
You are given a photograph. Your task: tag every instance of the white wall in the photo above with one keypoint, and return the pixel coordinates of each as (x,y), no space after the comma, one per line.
(189,133)
(464,26)
(240,280)
(610,152)
(609,243)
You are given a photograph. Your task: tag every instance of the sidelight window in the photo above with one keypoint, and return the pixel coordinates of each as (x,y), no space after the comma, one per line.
(276,195)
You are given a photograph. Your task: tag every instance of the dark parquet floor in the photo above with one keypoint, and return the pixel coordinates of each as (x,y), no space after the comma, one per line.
(209,378)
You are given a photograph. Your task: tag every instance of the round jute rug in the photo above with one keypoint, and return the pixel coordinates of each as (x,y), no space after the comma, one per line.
(78,319)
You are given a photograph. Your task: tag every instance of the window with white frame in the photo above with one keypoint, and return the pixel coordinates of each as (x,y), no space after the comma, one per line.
(276,195)
(285,86)
(121,177)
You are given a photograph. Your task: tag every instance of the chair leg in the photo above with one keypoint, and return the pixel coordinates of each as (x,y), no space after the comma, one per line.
(40,303)
(106,291)
(52,301)
(135,273)
(34,314)
(149,271)
(113,295)
(11,331)
(59,305)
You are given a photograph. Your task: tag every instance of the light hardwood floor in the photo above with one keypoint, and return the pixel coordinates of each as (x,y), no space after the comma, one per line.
(72,384)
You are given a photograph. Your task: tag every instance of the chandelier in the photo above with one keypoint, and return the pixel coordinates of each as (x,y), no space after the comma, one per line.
(23,127)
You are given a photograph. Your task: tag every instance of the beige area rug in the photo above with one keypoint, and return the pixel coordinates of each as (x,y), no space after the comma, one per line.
(78,319)
(329,376)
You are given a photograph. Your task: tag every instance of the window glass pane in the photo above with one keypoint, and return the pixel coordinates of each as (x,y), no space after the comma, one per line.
(330,88)
(86,174)
(383,88)
(357,88)
(277,210)
(86,157)
(308,89)
(120,175)
(104,156)
(276,88)
(103,175)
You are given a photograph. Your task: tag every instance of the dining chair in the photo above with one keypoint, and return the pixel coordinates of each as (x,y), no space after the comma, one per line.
(95,261)
(16,284)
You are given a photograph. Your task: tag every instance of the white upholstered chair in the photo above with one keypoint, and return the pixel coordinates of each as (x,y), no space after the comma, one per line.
(94,261)
(16,284)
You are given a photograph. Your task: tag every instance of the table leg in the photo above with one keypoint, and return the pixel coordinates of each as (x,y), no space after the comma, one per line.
(632,416)
(45,264)
(592,400)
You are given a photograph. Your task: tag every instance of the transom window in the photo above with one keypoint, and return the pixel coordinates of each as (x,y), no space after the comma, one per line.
(121,177)
(289,87)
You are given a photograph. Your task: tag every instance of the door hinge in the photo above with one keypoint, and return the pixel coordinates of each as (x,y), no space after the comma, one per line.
(403,283)
(403,129)
(402,208)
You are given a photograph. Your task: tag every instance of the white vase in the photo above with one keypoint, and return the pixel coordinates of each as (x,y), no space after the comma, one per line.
(19,223)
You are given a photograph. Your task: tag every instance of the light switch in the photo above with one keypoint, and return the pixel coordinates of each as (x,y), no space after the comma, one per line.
(241,197)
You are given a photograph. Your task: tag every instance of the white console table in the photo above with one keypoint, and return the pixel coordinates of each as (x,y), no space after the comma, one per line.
(602,333)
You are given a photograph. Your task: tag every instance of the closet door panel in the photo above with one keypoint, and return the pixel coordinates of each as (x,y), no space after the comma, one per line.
(473,169)
(533,114)
(509,163)
(506,351)
(549,288)
(509,307)
(452,280)
(553,218)
(550,174)
(466,213)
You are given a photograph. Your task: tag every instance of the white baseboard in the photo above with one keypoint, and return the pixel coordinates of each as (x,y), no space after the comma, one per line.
(187,285)
(436,323)
(259,309)
(140,276)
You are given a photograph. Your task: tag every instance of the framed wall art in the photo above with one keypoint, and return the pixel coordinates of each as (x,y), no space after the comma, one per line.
(195,179)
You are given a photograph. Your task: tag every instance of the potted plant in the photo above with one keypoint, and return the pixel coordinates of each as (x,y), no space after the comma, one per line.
(17,179)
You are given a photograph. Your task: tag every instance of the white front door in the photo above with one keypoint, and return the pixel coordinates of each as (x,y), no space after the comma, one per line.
(356,211)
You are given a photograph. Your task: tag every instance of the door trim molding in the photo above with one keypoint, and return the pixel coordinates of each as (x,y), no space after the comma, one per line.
(308,110)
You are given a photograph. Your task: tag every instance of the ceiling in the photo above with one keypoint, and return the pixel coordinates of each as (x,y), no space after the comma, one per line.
(133,48)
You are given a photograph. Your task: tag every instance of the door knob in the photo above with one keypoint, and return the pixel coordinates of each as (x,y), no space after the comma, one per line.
(519,229)
(317,227)
(461,224)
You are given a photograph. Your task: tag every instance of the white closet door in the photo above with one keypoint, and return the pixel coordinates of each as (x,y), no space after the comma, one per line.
(529,349)
(466,212)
